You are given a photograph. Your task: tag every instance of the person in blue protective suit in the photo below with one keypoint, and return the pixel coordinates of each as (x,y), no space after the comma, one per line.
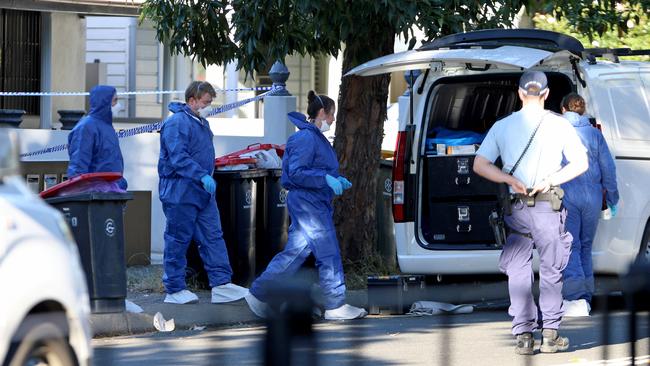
(583,200)
(92,144)
(187,193)
(310,174)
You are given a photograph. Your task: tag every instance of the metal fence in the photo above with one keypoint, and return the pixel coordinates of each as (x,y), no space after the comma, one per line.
(20,58)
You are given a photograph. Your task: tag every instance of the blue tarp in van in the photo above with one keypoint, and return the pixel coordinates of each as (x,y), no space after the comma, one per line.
(453,138)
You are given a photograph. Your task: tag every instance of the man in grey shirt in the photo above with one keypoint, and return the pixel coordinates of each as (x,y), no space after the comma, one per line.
(534,223)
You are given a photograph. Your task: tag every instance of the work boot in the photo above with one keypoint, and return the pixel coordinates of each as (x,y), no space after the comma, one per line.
(525,344)
(552,342)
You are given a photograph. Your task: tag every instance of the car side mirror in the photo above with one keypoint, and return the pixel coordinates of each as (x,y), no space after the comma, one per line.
(9,153)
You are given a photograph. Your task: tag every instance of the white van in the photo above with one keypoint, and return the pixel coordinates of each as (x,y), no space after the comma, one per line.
(468,81)
(44,305)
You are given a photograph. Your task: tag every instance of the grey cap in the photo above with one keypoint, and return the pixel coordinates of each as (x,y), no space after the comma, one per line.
(533,83)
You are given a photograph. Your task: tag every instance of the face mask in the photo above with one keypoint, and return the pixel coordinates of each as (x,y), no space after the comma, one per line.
(324,126)
(205,112)
(116,109)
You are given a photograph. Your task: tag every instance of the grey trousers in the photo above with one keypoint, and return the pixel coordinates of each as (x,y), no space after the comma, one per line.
(544,230)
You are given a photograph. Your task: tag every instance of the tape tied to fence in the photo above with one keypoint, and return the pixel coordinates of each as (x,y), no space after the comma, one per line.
(143,92)
(148,128)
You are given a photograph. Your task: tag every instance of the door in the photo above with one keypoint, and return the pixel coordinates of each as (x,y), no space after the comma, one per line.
(504,58)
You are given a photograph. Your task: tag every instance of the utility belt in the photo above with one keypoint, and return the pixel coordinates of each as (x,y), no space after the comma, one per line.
(506,200)
(554,196)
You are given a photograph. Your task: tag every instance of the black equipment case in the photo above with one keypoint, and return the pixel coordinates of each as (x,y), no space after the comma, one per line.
(394,294)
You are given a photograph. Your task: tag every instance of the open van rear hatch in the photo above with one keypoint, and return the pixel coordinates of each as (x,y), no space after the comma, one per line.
(503,57)
(492,38)
(505,49)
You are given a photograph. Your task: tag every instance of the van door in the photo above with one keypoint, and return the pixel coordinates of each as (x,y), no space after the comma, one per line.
(629,101)
(620,99)
(504,57)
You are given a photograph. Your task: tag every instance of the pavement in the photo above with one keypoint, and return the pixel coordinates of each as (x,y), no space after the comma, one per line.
(186,317)
(146,291)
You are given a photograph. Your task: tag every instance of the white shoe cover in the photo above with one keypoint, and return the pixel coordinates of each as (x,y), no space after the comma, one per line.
(345,312)
(227,293)
(257,307)
(575,308)
(132,307)
(182,297)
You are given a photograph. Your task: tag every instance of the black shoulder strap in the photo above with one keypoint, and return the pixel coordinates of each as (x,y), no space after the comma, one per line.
(530,141)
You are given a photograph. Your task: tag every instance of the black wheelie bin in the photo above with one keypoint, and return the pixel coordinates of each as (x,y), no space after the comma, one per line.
(237,203)
(97,223)
(272,219)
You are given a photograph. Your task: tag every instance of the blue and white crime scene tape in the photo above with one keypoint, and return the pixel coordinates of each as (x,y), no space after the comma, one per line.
(148,128)
(144,92)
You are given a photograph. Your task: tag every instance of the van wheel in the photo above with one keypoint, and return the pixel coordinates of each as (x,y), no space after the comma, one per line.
(41,340)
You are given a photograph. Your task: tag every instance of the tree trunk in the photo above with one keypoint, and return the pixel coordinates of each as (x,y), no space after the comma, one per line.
(359,133)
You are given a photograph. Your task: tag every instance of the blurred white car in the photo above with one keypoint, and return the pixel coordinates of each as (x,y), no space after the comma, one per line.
(44,306)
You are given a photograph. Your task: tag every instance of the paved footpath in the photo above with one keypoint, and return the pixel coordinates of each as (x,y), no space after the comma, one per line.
(185,317)
(480,338)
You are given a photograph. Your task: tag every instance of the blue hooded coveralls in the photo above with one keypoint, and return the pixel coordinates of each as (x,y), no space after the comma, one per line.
(186,155)
(92,144)
(307,159)
(583,200)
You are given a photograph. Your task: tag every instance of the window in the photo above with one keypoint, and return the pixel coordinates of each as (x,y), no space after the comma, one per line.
(630,106)
(20,58)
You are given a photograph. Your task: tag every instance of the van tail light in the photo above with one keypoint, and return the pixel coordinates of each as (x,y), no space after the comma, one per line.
(402,210)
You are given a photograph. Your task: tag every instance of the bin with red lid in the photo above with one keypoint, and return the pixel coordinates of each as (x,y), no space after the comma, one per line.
(97,224)
(237,200)
(233,161)
(279,149)
(85,182)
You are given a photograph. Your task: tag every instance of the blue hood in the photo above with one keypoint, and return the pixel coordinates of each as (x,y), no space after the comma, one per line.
(577,120)
(101,98)
(300,120)
(176,107)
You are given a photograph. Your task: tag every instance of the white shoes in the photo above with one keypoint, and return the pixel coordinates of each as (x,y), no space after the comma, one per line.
(223,293)
(576,308)
(257,307)
(227,293)
(345,312)
(182,297)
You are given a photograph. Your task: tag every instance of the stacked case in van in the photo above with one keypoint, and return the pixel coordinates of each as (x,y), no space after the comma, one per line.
(458,202)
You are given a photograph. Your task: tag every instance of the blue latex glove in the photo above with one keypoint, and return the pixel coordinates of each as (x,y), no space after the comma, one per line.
(345,182)
(209,184)
(334,184)
(614,209)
